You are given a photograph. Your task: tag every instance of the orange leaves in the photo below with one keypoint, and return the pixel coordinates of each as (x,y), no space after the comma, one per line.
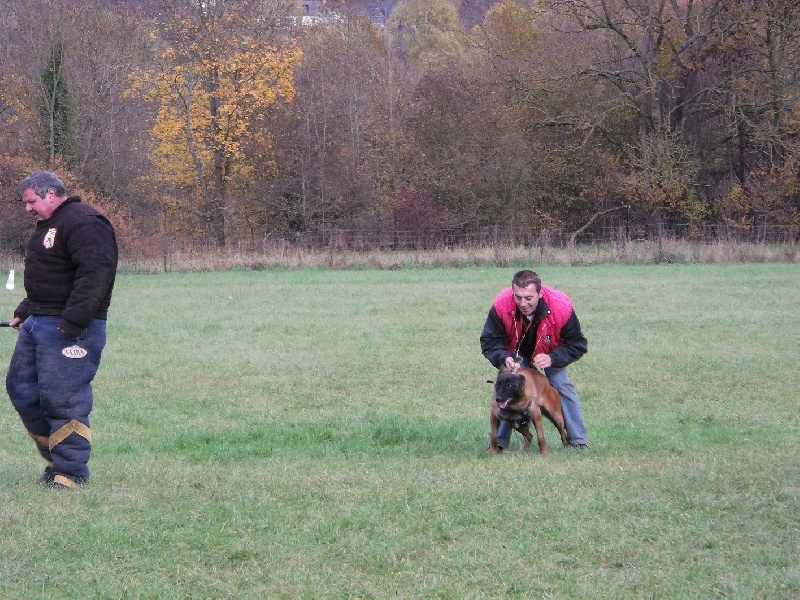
(213,91)
(212,97)
(214,104)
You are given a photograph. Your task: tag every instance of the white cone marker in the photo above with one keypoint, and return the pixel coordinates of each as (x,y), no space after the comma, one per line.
(10,282)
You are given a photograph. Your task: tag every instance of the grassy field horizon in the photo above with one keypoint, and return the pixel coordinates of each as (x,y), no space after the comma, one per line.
(322,433)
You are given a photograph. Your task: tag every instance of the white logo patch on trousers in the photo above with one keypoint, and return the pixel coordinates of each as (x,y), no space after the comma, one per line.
(74,352)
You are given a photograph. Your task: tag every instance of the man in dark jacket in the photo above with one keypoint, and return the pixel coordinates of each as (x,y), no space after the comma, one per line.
(70,267)
(533,325)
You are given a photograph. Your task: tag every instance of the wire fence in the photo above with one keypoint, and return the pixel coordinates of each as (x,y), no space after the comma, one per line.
(356,240)
(498,235)
(160,246)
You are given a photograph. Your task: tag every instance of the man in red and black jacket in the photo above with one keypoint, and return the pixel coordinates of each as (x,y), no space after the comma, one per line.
(70,267)
(533,325)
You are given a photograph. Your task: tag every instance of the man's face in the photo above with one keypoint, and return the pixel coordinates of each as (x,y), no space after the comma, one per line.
(526,298)
(40,208)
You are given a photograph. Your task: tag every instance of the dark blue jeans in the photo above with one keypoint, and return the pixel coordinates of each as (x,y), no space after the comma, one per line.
(49,383)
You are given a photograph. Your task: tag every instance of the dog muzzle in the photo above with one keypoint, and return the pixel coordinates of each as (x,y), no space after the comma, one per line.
(503,404)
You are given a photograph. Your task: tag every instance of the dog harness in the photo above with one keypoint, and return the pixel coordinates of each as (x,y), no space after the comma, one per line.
(516,419)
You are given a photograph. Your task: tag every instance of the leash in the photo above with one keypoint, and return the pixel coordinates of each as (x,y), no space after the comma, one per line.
(519,339)
(518,344)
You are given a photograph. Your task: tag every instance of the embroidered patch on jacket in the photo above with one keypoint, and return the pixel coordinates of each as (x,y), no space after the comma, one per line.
(547,339)
(50,238)
(74,352)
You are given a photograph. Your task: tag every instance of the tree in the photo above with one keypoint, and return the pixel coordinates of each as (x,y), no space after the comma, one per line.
(344,144)
(711,85)
(428,31)
(108,130)
(217,79)
(55,105)
(547,149)
(64,92)
(756,74)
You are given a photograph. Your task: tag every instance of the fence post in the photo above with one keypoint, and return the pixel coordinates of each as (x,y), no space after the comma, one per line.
(164,250)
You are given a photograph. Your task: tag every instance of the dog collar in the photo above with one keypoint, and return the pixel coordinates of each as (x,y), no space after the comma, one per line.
(514,415)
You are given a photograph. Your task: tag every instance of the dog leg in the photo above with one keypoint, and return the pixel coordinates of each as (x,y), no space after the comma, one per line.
(537,423)
(525,430)
(552,410)
(563,432)
(558,422)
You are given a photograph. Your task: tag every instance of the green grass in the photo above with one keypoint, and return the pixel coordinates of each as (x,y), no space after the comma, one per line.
(322,434)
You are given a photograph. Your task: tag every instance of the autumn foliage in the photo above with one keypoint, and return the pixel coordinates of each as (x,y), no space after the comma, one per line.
(224,122)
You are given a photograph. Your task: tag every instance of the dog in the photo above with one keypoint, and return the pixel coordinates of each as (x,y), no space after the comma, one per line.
(521,397)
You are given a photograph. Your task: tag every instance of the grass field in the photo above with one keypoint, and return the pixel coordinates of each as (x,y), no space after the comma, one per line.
(322,434)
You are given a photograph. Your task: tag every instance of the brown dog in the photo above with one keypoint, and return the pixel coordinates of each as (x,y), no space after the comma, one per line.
(520,398)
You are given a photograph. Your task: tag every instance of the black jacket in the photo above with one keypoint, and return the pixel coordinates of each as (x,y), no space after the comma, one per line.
(70,267)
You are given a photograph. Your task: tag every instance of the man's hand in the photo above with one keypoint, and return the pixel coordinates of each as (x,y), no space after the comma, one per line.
(16,322)
(512,364)
(542,361)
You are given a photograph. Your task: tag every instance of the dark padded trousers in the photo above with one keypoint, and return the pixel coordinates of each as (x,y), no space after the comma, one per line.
(49,383)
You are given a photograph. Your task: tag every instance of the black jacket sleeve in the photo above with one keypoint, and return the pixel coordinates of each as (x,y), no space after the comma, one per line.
(575,344)
(493,340)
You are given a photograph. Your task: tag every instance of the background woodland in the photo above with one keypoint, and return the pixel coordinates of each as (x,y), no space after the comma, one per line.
(222,122)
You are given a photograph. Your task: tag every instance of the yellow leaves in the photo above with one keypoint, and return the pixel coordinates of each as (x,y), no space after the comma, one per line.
(212,92)
(736,206)
(170,153)
(13,100)
(429,30)
(511,26)
(210,109)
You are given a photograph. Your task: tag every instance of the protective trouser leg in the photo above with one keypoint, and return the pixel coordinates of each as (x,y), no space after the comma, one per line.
(570,405)
(49,383)
(22,385)
(504,434)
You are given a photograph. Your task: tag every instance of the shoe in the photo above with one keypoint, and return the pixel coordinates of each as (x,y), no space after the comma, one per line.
(580,446)
(45,478)
(59,482)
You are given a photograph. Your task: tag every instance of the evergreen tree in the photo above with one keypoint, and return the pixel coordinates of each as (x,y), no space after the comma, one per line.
(55,105)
